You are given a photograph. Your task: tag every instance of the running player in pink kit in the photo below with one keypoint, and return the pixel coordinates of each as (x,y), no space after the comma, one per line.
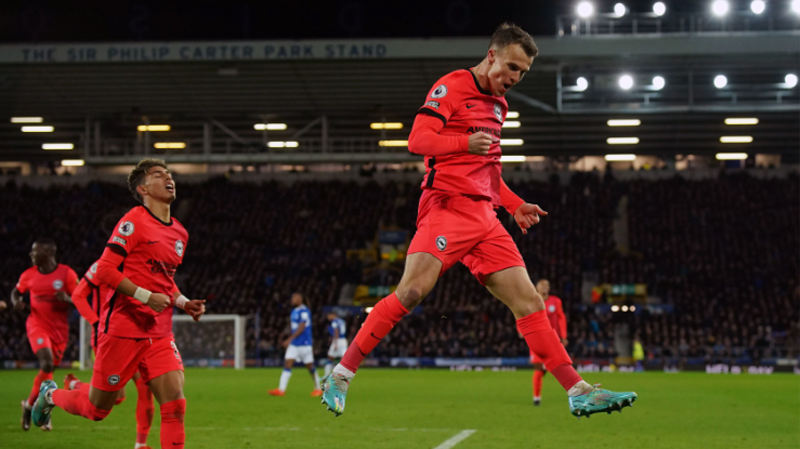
(557,318)
(136,321)
(90,287)
(94,292)
(50,285)
(457,129)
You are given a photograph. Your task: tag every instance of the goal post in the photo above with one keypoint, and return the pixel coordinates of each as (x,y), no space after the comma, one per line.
(214,341)
(85,356)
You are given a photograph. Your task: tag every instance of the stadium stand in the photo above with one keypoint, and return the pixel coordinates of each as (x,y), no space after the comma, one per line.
(721,251)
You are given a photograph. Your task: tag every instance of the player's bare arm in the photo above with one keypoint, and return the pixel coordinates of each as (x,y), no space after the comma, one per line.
(193,307)
(300,328)
(64,297)
(528,215)
(16,300)
(335,338)
(525,214)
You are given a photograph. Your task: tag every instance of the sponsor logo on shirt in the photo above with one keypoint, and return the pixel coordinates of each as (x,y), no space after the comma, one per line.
(179,247)
(441,243)
(484,129)
(120,240)
(439,92)
(93,269)
(157,266)
(498,112)
(126,228)
(433,104)
(57,284)
(470,106)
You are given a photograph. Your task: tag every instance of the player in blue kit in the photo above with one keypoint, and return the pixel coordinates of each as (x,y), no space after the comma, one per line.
(338,332)
(298,347)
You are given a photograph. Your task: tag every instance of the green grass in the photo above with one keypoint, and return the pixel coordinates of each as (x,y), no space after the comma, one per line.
(421,409)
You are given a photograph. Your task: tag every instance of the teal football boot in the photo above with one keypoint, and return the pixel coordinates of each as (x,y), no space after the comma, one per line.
(40,414)
(600,400)
(334,391)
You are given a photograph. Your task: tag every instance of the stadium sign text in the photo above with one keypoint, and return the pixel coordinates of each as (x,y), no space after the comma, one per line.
(734,369)
(198,52)
(237,51)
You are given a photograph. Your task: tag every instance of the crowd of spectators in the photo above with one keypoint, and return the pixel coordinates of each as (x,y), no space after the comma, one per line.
(724,252)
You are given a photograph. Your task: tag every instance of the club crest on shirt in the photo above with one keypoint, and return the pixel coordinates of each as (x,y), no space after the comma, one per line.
(439,92)
(498,112)
(441,243)
(39,341)
(126,228)
(113,379)
(57,284)
(179,248)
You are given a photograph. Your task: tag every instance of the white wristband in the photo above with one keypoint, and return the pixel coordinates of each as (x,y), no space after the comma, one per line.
(181,301)
(142,295)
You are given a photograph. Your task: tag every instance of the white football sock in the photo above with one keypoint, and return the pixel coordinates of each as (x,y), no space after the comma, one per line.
(316,379)
(48,397)
(72,384)
(285,376)
(579,388)
(328,368)
(138,445)
(344,372)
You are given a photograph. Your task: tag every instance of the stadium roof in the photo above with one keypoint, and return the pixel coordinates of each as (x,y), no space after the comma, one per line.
(355,82)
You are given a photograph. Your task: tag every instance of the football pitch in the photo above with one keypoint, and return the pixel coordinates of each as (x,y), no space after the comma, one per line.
(397,408)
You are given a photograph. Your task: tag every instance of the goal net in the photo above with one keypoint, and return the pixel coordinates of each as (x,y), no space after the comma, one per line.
(214,341)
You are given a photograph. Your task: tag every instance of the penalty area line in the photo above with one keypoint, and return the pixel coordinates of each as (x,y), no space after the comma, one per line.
(459,437)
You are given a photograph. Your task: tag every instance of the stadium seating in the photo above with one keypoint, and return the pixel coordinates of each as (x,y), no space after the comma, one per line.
(723,252)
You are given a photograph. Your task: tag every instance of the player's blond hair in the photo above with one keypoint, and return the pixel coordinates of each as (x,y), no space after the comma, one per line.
(507,34)
(136,176)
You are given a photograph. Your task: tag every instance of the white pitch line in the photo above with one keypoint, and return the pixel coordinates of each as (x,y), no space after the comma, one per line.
(461,436)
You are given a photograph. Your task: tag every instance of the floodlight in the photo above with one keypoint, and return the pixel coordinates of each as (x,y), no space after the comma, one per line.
(585,9)
(720,7)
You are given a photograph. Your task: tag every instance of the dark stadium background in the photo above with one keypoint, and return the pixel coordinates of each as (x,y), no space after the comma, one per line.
(730,237)
(103,21)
